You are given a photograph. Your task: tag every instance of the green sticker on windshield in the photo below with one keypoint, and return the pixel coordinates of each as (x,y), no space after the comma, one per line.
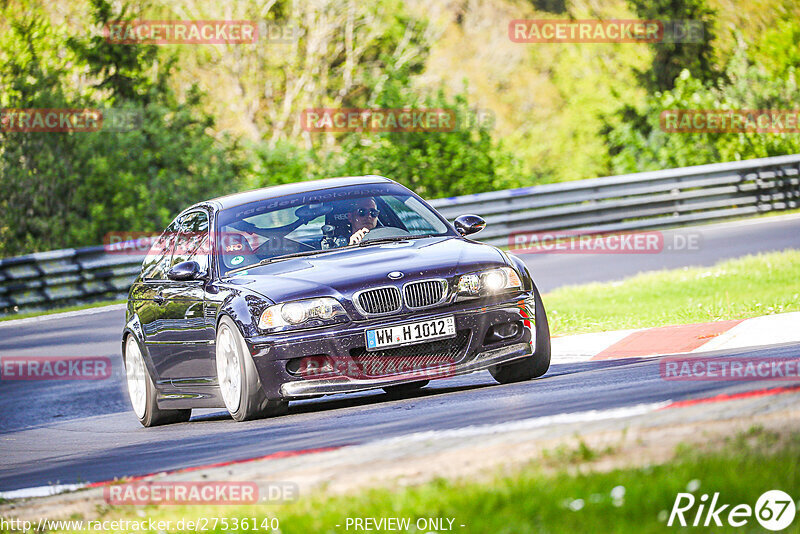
(236,260)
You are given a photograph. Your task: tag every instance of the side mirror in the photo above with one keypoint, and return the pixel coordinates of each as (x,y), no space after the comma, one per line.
(469,224)
(185,270)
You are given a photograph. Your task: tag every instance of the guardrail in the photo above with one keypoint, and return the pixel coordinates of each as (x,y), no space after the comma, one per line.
(64,277)
(639,201)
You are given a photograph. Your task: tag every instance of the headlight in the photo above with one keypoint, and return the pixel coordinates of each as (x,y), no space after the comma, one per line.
(488,282)
(310,312)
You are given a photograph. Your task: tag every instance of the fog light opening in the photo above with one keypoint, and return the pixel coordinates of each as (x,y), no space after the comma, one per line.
(310,366)
(502,332)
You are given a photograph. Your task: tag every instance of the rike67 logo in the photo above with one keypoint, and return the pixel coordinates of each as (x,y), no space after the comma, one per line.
(774,510)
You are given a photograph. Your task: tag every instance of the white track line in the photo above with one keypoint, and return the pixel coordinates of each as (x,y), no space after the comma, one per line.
(40,491)
(582,347)
(528,424)
(63,315)
(757,331)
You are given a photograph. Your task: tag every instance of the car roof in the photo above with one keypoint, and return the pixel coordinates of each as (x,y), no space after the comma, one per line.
(237,199)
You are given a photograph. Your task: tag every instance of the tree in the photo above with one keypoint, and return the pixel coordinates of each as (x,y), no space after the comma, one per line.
(745,86)
(70,188)
(434,164)
(670,58)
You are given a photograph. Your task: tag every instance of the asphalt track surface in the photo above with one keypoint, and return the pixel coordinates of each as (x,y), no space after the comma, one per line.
(84,431)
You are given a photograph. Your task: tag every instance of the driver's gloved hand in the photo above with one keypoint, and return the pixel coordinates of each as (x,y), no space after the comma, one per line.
(356,238)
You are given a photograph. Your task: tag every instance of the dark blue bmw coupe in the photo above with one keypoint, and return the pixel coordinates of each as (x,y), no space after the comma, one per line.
(251,300)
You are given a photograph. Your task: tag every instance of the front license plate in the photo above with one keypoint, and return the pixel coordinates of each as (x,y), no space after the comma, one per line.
(410,333)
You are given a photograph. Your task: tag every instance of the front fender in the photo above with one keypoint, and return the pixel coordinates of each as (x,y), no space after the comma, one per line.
(134,328)
(245,310)
(519,265)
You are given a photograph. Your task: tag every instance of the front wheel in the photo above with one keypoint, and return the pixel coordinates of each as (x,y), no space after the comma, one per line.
(143,392)
(238,379)
(537,363)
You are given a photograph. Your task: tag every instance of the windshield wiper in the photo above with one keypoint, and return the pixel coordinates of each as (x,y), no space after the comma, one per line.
(267,261)
(391,239)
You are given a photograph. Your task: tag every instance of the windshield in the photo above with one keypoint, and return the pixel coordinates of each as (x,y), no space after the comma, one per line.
(321,221)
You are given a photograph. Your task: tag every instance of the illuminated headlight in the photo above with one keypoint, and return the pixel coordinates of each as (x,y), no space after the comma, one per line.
(311,312)
(489,282)
(494,281)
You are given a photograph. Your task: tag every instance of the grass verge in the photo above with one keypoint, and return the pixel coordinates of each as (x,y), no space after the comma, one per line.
(573,498)
(25,315)
(732,289)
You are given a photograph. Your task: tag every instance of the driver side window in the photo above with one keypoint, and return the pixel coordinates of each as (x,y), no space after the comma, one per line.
(193,241)
(156,263)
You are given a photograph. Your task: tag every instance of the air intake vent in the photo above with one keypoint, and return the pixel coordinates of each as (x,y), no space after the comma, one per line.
(414,358)
(378,301)
(425,293)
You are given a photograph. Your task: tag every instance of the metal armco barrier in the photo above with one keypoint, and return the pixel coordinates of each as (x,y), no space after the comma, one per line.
(647,200)
(640,201)
(65,277)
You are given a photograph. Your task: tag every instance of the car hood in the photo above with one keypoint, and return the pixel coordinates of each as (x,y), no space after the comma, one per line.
(339,273)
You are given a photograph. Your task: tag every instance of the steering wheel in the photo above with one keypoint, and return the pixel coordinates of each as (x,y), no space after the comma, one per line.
(382,232)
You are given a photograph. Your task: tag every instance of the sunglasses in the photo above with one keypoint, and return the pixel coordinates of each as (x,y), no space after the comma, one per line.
(363,212)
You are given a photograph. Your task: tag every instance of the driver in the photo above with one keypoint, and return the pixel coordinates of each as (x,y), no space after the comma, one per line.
(363,217)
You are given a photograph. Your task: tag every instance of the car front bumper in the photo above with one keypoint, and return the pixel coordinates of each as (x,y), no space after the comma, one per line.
(473,349)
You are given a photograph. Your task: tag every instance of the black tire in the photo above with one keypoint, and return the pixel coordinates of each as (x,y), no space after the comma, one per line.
(252,401)
(537,363)
(153,415)
(410,387)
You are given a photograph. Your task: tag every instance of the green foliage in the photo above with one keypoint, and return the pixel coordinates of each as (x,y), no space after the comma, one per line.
(284,163)
(640,144)
(140,180)
(670,58)
(35,176)
(551,6)
(71,188)
(120,69)
(433,164)
(778,51)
